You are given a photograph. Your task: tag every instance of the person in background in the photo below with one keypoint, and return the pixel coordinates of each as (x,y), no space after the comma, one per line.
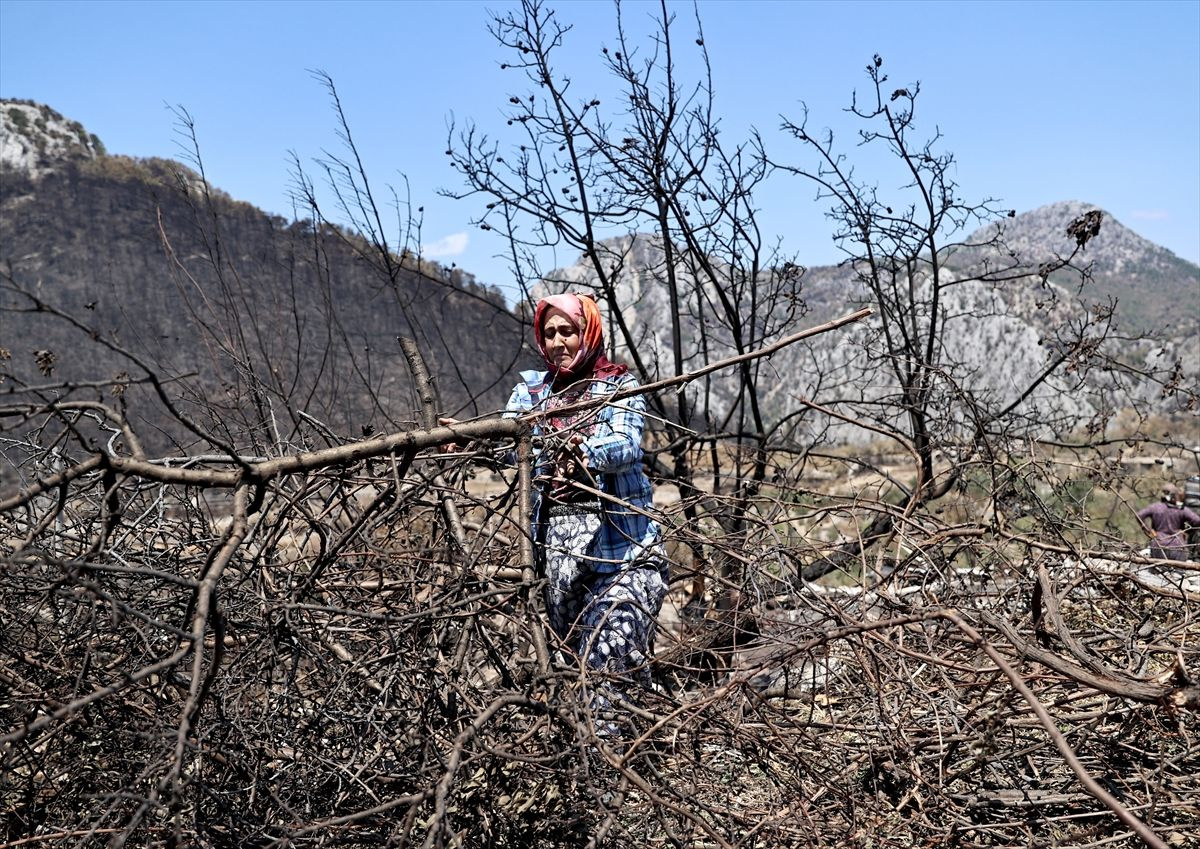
(1191,500)
(1164,522)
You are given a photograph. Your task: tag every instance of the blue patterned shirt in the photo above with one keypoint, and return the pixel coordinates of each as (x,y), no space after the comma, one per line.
(613,447)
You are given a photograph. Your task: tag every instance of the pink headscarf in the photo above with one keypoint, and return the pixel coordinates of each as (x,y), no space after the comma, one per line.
(583,313)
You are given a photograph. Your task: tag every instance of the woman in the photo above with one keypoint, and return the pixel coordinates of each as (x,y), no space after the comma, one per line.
(1164,522)
(602,553)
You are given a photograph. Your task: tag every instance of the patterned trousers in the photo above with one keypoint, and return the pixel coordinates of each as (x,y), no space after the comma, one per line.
(606,618)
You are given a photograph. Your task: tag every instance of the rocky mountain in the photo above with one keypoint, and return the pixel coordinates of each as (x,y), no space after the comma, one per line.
(264,327)
(35,139)
(1156,292)
(268,327)
(997,337)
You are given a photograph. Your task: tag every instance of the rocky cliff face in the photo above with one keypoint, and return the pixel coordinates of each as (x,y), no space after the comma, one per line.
(995,339)
(35,139)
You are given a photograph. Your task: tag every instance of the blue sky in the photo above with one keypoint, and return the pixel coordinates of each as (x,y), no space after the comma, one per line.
(1041,102)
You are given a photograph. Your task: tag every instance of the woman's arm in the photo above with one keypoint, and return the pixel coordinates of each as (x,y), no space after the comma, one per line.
(622,447)
(519,401)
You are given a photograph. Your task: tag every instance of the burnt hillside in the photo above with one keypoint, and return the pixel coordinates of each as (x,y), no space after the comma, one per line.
(231,305)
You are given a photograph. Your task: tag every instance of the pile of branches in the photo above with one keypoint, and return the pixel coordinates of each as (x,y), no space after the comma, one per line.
(352,654)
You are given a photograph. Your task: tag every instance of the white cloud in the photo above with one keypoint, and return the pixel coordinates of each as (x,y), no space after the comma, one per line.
(1151,214)
(447,246)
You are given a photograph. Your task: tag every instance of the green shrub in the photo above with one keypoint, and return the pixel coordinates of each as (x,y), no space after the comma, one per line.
(18,117)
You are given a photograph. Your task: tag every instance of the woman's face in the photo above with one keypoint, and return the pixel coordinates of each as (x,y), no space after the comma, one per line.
(560,338)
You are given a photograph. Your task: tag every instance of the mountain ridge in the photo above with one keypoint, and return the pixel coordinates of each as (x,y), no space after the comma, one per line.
(1160,291)
(295,322)
(35,138)
(128,243)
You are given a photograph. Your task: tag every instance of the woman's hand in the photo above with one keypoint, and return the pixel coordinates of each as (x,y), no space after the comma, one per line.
(572,459)
(450,447)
